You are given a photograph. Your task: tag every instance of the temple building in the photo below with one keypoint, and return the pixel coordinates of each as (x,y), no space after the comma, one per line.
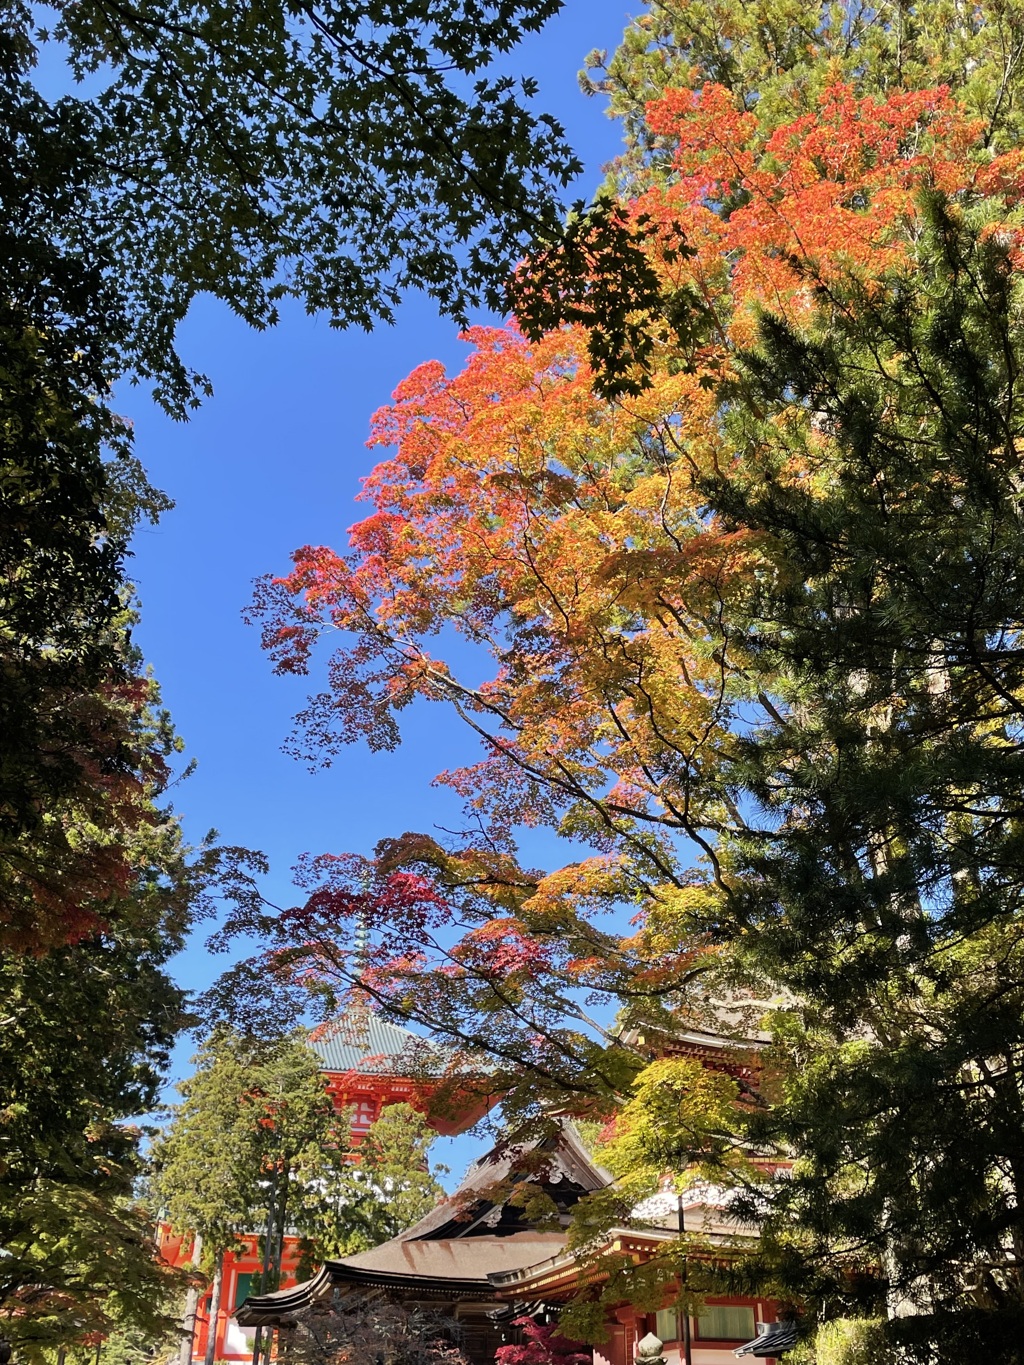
(446,1259)
(477,1259)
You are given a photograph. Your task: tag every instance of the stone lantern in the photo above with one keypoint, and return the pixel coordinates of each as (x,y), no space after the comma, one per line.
(648,1351)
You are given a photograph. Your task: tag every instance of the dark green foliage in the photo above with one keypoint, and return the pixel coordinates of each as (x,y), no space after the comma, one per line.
(76,752)
(596,274)
(395,1177)
(85,1033)
(882,884)
(250,1146)
(256,1146)
(341,153)
(70,492)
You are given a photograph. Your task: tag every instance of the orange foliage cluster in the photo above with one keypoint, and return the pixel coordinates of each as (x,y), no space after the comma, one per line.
(566,538)
(828,196)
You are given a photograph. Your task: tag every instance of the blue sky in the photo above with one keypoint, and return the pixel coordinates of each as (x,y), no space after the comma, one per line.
(271,462)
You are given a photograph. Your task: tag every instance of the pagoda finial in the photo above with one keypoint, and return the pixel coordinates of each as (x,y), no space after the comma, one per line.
(361,942)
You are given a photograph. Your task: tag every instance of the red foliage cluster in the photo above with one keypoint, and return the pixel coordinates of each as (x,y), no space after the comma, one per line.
(542,1345)
(73,873)
(502,947)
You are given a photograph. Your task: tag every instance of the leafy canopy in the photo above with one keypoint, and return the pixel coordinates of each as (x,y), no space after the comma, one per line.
(340,153)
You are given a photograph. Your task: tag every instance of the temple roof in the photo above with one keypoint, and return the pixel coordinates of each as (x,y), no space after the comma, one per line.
(449,1268)
(559,1162)
(470,1235)
(453,1258)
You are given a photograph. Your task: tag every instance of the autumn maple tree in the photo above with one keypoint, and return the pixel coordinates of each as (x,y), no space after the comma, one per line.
(541,1345)
(755,638)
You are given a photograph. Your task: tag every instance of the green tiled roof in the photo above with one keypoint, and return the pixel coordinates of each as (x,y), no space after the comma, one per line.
(362,1041)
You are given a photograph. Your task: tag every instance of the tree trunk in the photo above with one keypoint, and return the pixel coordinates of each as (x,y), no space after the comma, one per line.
(268,1344)
(277,1253)
(211,1331)
(684,1307)
(257,1347)
(188,1323)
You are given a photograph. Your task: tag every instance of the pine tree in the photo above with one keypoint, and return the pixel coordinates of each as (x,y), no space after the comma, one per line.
(885,891)
(254,1132)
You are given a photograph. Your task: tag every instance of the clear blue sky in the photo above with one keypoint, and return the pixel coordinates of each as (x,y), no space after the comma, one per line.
(271,462)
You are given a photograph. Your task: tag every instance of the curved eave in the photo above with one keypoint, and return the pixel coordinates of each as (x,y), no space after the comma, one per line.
(282,1306)
(561,1274)
(387,1279)
(562,1271)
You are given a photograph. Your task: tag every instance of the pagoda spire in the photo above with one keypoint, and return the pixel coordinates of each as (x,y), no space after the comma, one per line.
(362,942)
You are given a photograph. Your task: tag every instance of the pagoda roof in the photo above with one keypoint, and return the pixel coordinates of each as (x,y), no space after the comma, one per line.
(364,1042)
